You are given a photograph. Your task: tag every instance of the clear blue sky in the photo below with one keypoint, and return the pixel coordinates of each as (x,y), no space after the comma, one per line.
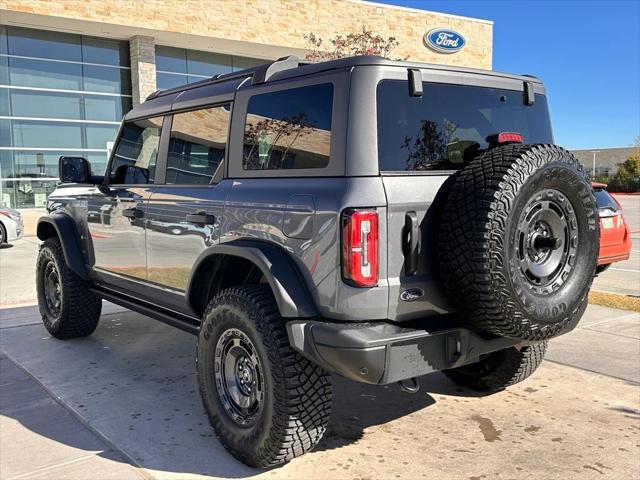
(587,52)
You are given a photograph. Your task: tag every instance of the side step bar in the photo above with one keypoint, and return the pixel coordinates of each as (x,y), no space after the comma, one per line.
(175,319)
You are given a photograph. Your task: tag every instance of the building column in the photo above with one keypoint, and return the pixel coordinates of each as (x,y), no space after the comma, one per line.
(143,67)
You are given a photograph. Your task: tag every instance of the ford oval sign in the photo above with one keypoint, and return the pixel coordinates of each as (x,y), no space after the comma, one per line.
(444,41)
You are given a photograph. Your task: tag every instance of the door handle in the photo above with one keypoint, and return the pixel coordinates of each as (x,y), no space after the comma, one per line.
(132,213)
(201,218)
(411,243)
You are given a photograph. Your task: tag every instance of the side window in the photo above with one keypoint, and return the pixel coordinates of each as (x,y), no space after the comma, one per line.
(197,146)
(289,129)
(134,161)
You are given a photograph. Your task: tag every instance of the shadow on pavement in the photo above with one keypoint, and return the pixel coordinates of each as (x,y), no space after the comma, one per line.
(6,246)
(134,381)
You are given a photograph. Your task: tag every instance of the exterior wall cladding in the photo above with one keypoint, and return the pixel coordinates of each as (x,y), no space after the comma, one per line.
(274,22)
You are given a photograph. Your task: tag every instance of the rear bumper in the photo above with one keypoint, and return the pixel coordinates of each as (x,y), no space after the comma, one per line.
(381,353)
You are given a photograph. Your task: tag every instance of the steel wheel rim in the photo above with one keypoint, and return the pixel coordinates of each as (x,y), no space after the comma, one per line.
(239,377)
(52,289)
(546,241)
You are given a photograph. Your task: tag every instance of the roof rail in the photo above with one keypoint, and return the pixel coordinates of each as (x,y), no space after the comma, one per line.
(259,74)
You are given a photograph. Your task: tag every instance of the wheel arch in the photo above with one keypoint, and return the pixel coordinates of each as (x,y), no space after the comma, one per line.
(60,226)
(223,266)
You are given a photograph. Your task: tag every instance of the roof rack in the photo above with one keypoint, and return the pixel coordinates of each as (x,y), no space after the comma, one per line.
(259,74)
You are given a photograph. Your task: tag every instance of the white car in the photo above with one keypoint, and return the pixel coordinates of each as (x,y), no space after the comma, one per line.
(11,226)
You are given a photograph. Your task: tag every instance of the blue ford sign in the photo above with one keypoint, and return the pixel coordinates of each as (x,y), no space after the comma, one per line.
(444,41)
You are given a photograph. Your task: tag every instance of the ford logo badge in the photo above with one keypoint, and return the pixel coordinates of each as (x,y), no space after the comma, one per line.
(411,294)
(444,41)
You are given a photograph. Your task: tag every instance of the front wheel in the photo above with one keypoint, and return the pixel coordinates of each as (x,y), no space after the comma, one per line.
(68,308)
(266,403)
(498,370)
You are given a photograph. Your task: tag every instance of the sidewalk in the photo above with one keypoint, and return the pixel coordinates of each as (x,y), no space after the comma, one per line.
(39,438)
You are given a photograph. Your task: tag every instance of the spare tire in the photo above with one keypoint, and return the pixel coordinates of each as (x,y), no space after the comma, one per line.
(518,241)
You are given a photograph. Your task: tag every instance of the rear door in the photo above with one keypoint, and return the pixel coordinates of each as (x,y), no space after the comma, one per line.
(422,141)
(116,211)
(185,213)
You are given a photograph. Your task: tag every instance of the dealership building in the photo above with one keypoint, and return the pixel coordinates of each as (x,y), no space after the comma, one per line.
(70,69)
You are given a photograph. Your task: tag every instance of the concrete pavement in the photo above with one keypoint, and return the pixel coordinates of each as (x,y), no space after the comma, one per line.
(133,382)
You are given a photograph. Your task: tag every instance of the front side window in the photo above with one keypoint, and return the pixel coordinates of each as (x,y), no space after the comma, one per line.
(450,124)
(289,129)
(197,146)
(134,161)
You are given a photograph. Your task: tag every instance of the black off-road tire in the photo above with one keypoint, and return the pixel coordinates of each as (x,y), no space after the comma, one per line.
(296,394)
(499,370)
(489,245)
(79,309)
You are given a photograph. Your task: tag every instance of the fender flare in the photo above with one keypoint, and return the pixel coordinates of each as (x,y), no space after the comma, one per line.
(65,230)
(287,284)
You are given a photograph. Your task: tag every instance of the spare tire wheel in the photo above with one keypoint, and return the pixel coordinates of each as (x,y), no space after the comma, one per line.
(518,241)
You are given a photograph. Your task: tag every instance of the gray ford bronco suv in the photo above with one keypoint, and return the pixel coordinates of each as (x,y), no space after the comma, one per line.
(375,219)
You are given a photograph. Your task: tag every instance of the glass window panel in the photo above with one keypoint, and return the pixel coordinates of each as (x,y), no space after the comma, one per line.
(41,73)
(240,63)
(3,39)
(8,194)
(5,133)
(105,51)
(99,135)
(40,43)
(106,108)
(107,79)
(28,133)
(197,145)
(38,164)
(4,70)
(6,164)
(207,63)
(171,59)
(449,124)
(195,78)
(27,103)
(170,80)
(135,158)
(4,101)
(28,193)
(289,129)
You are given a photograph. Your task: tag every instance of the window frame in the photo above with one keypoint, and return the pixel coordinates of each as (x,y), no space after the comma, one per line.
(335,167)
(218,175)
(161,158)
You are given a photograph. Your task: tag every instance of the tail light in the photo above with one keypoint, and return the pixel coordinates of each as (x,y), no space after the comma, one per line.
(360,247)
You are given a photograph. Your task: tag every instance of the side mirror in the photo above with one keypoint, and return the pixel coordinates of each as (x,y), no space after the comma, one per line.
(74,170)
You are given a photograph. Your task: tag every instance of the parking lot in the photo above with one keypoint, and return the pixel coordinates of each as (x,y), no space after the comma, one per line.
(124,403)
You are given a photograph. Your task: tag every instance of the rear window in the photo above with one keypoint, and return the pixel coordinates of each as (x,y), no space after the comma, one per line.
(289,129)
(449,124)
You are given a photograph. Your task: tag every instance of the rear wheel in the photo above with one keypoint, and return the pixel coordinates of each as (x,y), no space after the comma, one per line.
(68,308)
(498,370)
(519,241)
(266,403)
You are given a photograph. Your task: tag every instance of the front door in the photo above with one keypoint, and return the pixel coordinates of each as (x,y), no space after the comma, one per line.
(185,213)
(117,210)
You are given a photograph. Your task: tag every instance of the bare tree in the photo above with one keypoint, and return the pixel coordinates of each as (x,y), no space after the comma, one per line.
(364,42)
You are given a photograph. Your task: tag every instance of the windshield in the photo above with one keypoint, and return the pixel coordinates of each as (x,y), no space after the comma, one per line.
(446,127)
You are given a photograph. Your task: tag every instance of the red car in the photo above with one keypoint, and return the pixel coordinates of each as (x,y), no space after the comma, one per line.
(615,242)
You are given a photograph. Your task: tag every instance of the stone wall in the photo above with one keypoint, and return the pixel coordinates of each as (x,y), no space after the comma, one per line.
(279,23)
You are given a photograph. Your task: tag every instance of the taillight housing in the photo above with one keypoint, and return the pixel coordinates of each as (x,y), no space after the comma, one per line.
(360,247)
